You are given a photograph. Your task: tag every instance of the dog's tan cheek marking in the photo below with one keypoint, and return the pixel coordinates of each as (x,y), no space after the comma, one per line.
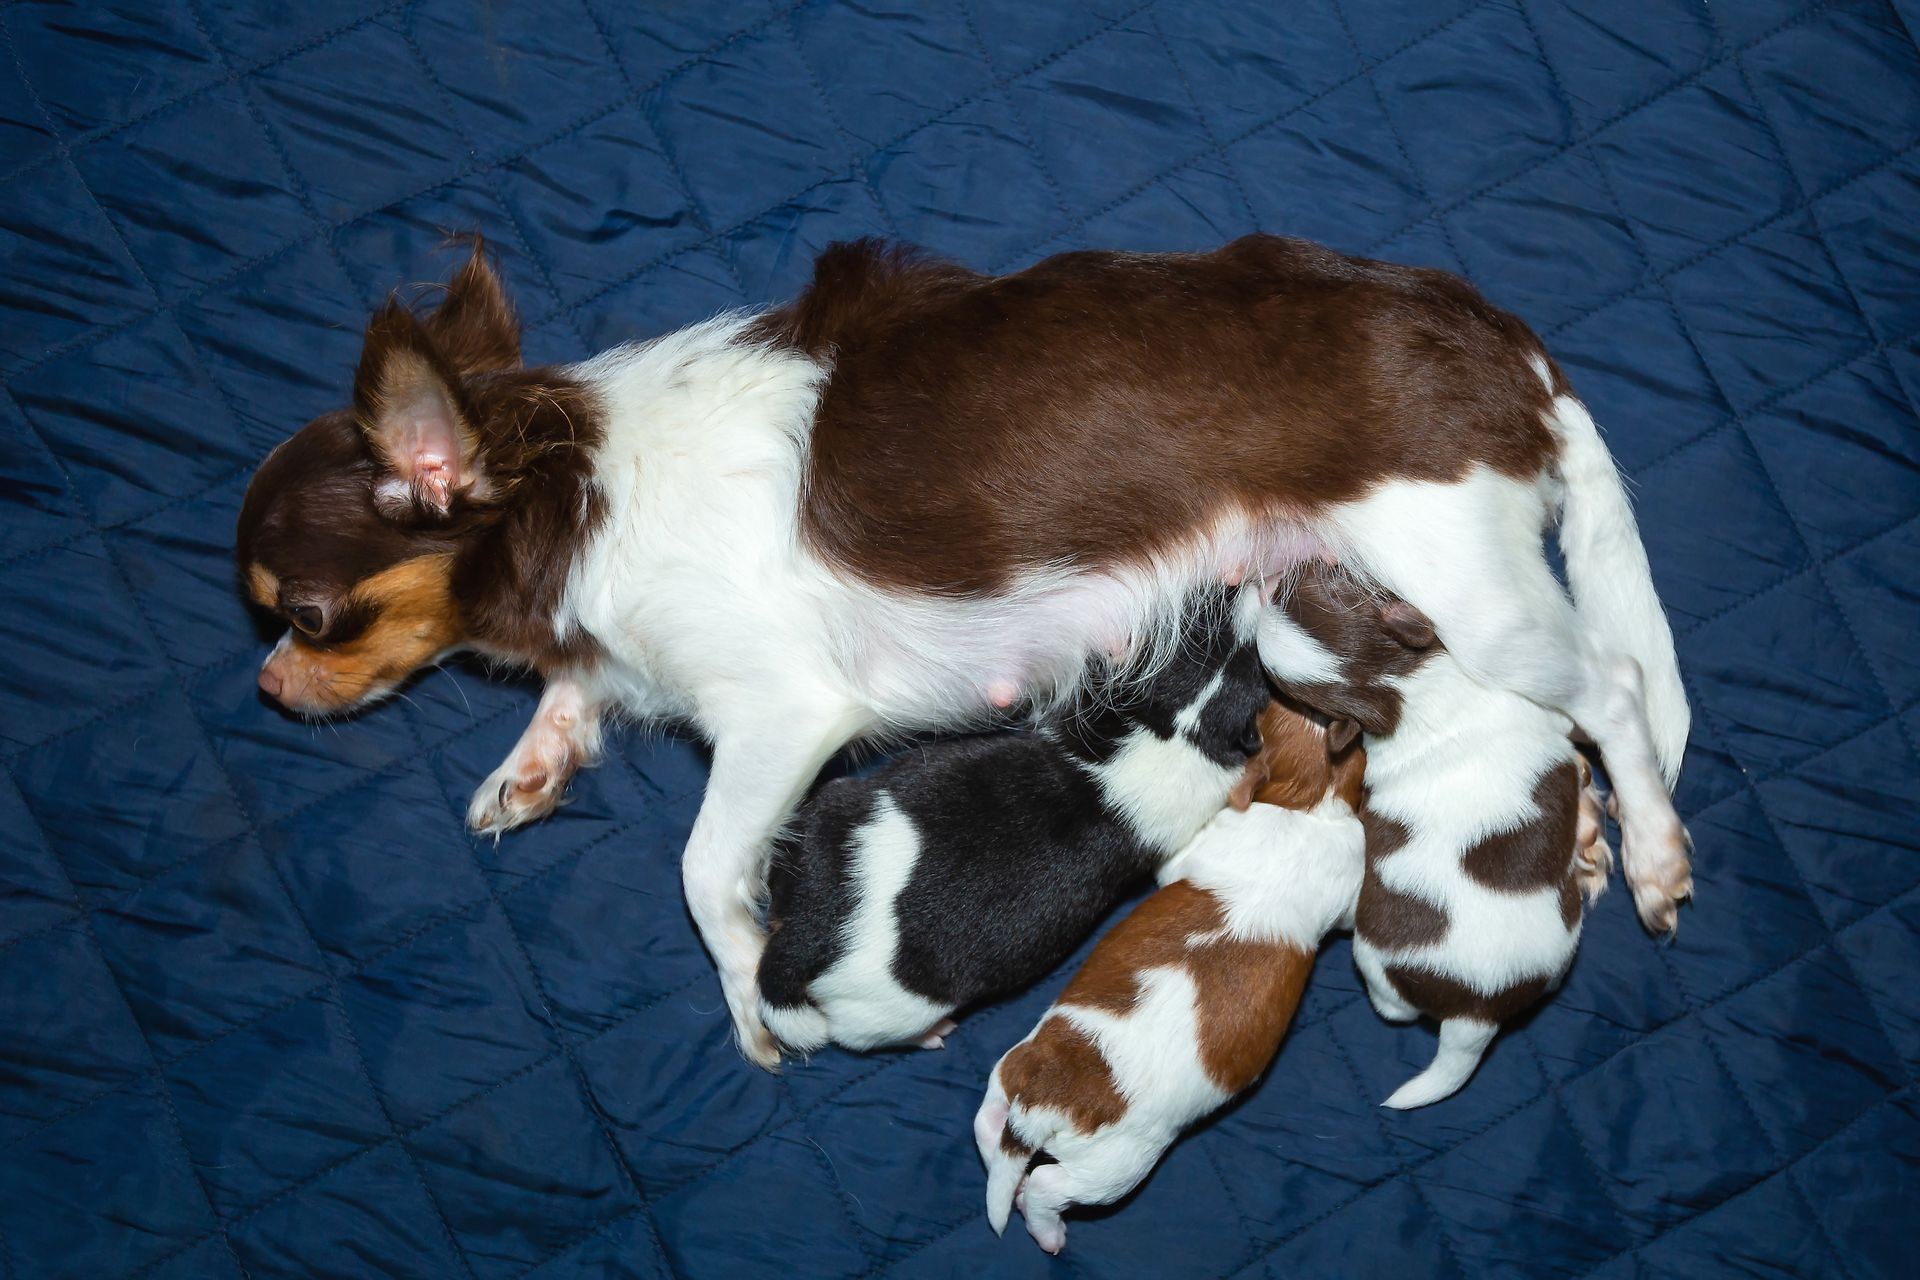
(414,618)
(264,584)
(415,615)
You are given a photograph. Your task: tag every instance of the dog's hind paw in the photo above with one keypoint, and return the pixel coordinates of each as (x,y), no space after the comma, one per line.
(1659,871)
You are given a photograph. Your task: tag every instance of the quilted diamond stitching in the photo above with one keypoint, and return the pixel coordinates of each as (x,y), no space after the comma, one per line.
(1705,709)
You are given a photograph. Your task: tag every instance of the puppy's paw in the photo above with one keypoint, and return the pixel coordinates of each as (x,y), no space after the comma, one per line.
(1659,871)
(758,1046)
(1592,856)
(936,1037)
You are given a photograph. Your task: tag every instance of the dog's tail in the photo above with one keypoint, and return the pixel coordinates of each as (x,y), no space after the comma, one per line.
(1612,584)
(1001,1150)
(1462,1043)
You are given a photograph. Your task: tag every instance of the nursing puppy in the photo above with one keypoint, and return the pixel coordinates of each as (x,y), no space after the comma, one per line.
(1184,1003)
(1479,839)
(967,869)
(917,492)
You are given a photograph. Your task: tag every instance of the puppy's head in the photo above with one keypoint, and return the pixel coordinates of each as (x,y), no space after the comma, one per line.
(1304,757)
(350,529)
(1212,690)
(1346,648)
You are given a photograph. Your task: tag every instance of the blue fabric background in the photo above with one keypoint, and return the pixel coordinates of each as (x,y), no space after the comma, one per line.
(265,1010)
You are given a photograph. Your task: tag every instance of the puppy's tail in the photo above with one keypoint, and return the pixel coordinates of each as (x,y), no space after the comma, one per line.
(1462,1043)
(1612,585)
(1001,1150)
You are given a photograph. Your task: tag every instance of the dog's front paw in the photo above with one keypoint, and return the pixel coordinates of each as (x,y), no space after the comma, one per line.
(519,791)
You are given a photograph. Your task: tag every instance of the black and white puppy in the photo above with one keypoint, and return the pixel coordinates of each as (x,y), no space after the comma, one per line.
(970,868)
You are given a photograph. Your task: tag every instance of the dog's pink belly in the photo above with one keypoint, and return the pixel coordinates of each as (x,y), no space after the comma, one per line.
(929,661)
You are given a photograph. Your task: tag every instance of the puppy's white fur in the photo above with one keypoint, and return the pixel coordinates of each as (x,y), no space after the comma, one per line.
(711,609)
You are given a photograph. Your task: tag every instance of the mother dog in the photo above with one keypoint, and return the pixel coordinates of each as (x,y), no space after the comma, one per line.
(916,493)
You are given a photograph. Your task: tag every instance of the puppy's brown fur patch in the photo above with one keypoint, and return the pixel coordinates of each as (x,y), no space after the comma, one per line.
(1248,992)
(1388,918)
(1061,1069)
(1441,997)
(1375,640)
(1536,854)
(1245,990)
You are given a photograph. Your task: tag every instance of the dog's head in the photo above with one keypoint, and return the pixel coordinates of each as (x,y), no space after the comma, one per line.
(351,529)
(1345,648)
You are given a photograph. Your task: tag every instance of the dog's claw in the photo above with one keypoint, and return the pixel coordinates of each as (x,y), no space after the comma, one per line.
(516,799)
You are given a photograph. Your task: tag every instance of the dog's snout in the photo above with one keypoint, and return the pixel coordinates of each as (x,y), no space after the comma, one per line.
(271,682)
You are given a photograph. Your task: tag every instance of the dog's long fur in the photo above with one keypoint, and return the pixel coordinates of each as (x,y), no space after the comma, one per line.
(918,493)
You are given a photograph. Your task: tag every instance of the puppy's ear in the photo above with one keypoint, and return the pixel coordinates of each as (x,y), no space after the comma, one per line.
(1241,797)
(474,326)
(1407,624)
(408,404)
(1341,735)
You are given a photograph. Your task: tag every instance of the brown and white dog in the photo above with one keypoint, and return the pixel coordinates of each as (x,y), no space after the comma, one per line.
(1482,838)
(917,492)
(1184,1003)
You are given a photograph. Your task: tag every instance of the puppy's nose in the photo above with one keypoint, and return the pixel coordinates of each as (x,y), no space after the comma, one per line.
(270,682)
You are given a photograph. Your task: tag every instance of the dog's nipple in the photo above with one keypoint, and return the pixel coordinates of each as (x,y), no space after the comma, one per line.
(1001,693)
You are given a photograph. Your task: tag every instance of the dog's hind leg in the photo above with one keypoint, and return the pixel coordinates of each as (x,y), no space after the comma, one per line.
(1469,556)
(763,761)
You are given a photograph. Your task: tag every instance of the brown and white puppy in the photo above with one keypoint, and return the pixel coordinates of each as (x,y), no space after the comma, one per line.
(1480,835)
(918,492)
(1184,1003)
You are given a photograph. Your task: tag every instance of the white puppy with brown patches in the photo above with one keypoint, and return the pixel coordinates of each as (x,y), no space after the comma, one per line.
(1479,843)
(1184,1003)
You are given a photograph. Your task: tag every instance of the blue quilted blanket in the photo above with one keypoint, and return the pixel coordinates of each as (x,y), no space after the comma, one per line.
(266,1010)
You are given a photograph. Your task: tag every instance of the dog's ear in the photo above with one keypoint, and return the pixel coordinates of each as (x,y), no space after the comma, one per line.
(1407,624)
(408,404)
(474,326)
(1341,735)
